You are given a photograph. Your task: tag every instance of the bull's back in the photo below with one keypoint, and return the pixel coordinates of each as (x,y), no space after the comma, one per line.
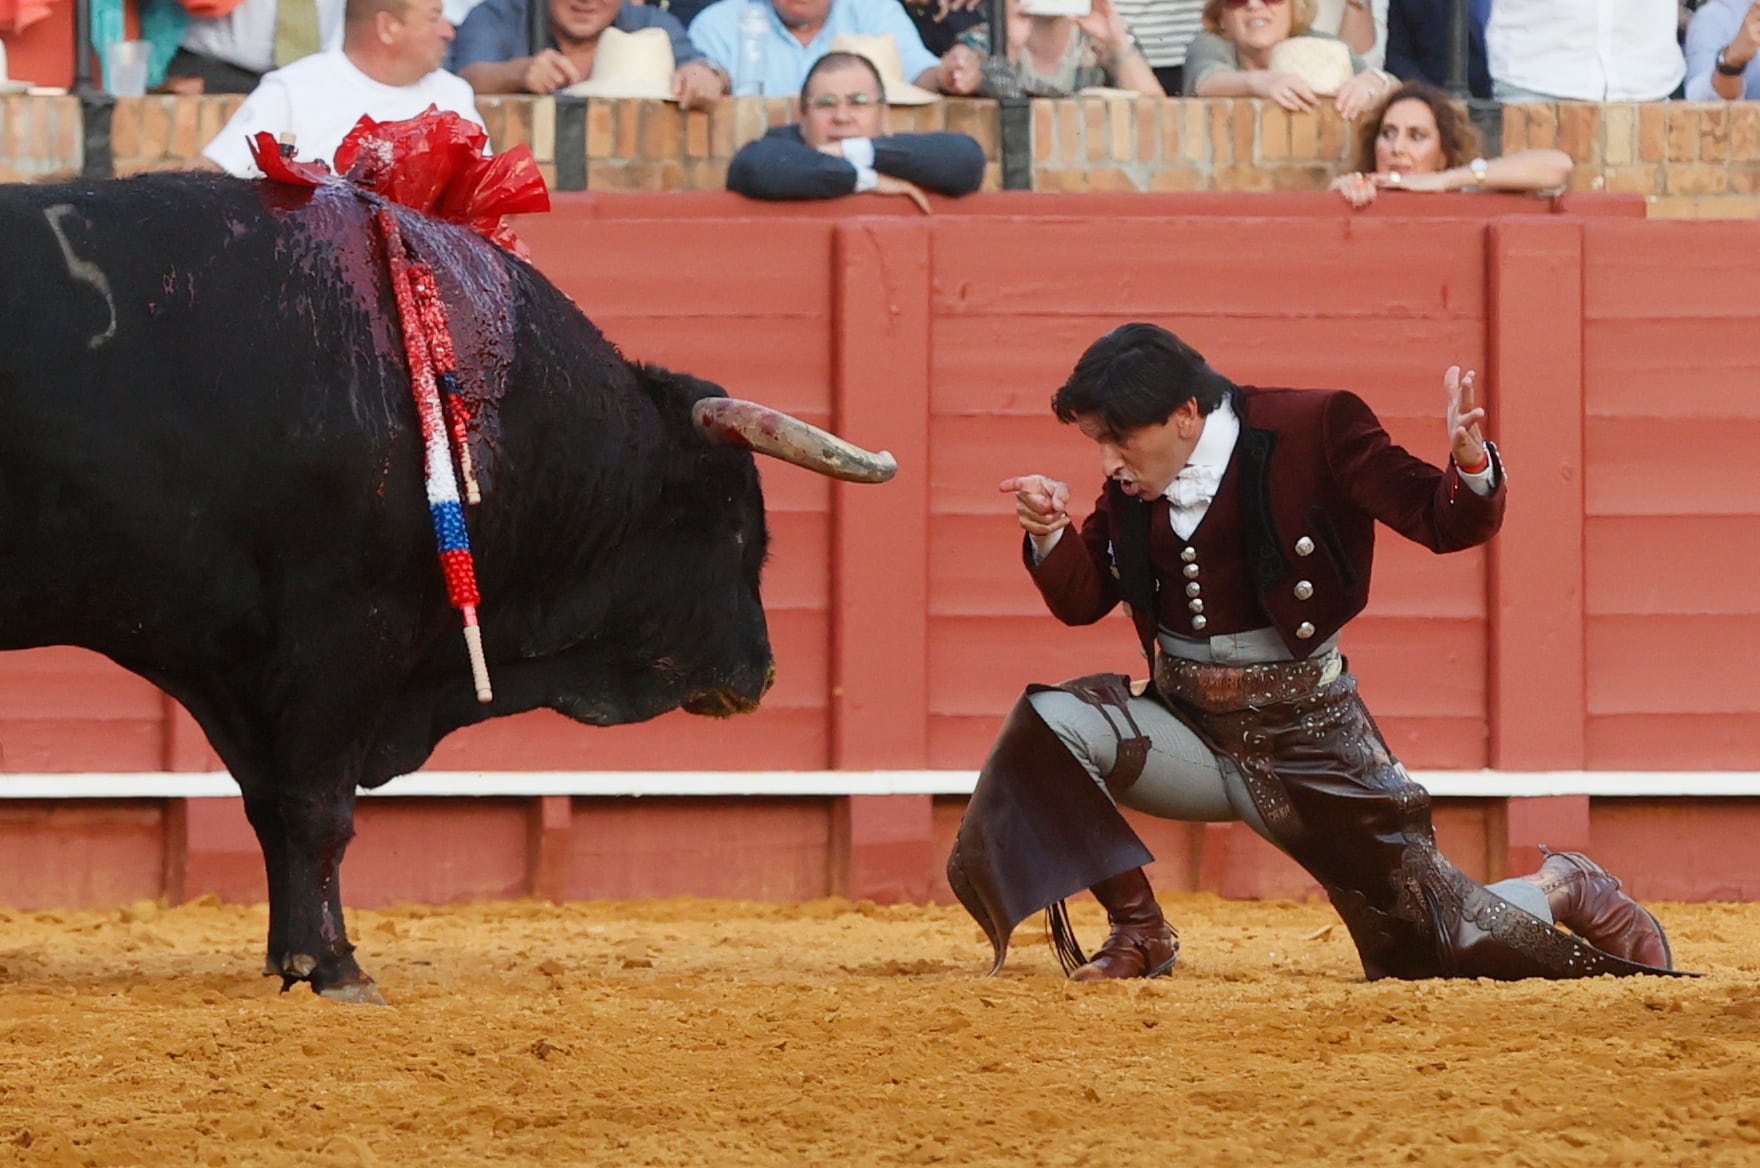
(174,290)
(198,379)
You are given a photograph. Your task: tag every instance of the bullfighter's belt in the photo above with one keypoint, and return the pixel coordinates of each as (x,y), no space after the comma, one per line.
(1218,689)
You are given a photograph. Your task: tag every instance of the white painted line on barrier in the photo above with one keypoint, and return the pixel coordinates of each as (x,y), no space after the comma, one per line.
(818,784)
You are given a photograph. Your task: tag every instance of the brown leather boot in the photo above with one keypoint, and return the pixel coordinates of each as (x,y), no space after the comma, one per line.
(1142,943)
(1586,899)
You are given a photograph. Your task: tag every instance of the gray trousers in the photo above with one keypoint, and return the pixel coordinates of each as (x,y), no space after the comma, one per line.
(1183,779)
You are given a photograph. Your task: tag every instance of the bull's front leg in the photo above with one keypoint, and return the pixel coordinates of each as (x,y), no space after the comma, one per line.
(308,937)
(263,810)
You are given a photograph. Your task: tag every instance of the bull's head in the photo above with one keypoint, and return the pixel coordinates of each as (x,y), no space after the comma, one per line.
(744,424)
(697,622)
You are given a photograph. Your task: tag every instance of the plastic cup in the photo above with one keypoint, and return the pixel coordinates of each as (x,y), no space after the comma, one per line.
(125,68)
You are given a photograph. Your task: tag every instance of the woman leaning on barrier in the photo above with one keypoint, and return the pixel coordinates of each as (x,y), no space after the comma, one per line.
(1421,140)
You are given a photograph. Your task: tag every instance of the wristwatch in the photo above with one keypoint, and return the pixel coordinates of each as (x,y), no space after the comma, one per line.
(1727,69)
(1480,169)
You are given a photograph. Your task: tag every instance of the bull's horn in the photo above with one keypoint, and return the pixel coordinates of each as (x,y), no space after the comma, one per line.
(767,431)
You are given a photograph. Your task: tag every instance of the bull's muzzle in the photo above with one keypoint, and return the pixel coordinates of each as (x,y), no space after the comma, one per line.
(767,431)
(726,702)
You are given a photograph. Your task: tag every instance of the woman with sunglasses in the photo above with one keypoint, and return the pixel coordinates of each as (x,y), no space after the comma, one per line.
(841,145)
(1420,140)
(1232,57)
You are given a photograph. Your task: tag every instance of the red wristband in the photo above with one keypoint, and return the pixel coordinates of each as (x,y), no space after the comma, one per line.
(1484,464)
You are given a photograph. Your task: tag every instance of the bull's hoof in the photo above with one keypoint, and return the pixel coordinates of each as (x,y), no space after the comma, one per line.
(338,979)
(358,993)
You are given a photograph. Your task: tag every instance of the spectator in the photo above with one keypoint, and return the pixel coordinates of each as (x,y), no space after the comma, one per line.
(1233,57)
(841,145)
(940,22)
(1361,24)
(227,48)
(1687,8)
(1583,50)
(492,49)
(1723,51)
(1051,56)
(1163,29)
(1420,140)
(1418,42)
(388,68)
(683,11)
(801,31)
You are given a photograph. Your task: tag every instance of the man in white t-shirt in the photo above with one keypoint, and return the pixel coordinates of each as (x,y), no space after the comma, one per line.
(388,68)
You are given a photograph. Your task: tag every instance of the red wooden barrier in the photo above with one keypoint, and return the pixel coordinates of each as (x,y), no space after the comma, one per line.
(1606,629)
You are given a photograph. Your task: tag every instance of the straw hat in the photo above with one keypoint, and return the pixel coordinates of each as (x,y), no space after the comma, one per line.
(1323,63)
(630,64)
(883,51)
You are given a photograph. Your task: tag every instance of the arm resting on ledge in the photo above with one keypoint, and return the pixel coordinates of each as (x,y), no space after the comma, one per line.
(1525,170)
(782,166)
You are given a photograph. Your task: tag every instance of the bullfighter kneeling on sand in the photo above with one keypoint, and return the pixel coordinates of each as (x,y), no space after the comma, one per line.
(1237,525)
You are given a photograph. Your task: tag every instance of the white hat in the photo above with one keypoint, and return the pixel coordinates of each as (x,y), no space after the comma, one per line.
(1325,64)
(882,50)
(630,64)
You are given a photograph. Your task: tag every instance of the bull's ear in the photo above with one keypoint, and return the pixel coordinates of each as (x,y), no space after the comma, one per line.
(767,431)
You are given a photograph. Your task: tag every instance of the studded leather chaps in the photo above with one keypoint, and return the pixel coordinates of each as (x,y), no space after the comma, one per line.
(1335,799)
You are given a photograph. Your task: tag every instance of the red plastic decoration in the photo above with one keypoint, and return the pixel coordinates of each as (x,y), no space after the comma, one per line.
(433,162)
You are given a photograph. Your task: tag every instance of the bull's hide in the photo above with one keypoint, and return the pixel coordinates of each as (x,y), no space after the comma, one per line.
(211,472)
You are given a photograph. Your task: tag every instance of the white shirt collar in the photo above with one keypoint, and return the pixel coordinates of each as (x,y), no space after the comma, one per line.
(1222,428)
(1193,488)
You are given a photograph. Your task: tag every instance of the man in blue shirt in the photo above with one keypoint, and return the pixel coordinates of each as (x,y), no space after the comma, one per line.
(491,50)
(1723,52)
(801,31)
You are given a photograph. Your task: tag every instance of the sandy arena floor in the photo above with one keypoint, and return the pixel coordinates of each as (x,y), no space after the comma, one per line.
(710,1033)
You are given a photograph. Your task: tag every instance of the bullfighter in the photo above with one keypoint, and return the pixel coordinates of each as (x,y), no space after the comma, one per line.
(1237,526)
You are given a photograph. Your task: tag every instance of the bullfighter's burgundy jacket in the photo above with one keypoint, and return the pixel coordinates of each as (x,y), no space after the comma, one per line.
(1289,540)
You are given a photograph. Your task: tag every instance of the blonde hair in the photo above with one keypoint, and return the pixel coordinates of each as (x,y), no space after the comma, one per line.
(1301,16)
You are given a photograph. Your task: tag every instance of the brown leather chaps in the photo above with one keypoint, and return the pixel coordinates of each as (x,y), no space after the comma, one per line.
(1037,829)
(1330,793)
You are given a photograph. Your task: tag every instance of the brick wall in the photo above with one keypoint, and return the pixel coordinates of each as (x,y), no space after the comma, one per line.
(39,138)
(1690,159)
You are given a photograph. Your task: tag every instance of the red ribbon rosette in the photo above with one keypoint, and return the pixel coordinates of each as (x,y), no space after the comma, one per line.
(433,162)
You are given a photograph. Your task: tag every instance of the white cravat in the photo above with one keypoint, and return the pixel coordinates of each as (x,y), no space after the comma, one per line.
(1192,489)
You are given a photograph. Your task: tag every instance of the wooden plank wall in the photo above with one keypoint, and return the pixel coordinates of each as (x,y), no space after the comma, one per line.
(1671,325)
(1607,628)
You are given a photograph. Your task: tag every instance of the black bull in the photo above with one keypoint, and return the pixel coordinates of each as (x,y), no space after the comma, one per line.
(211,473)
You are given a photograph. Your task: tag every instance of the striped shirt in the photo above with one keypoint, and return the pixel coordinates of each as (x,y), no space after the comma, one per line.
(1163,28)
